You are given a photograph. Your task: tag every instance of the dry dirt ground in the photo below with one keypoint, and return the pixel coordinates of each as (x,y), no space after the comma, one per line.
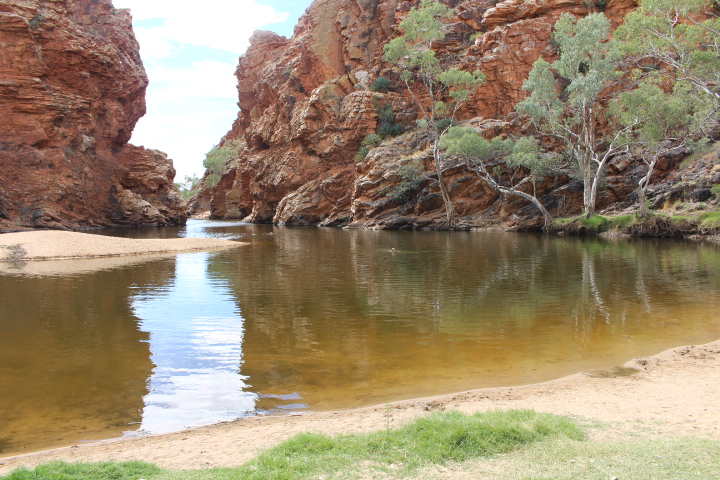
(672,394)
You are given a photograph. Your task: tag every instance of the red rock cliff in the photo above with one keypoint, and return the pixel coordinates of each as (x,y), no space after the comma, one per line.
(72,87)
(305,106)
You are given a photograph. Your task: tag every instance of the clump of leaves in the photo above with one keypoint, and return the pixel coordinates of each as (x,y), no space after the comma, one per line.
(381,85)
(217,160)
(387,122)
(372,140)
(361,154)
(412,179)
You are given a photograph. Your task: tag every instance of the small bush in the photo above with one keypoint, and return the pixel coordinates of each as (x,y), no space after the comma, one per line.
(715,189)
(216,160)
(37,20)
(381,85)
(391,130)
(443,123)
(372,140)
(412,180)
(361,154)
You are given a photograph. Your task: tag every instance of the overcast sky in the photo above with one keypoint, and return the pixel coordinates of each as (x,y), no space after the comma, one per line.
(190,52)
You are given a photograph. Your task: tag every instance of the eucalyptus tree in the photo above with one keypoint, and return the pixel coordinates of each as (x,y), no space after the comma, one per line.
(675,48)
(524,154)
(662,119)
(428,82)
(679,40)
(566,97)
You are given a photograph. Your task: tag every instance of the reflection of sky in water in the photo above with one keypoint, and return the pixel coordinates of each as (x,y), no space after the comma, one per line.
(196,334)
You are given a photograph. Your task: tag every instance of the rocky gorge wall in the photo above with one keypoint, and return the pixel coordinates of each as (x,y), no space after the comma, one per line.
(72,87)
(306,105)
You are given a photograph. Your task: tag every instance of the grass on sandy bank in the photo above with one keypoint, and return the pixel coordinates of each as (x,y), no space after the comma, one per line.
(653,225)
(437,439)
(513,445)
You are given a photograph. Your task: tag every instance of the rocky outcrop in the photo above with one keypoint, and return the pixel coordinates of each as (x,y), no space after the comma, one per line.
(72,87)
(305,106)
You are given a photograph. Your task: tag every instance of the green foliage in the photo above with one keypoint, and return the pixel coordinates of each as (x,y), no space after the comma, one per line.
(656,113)
(526,153)
(37,20)
(217,159)
(569,111)
(361,154)
(391,130)
(710,221)
(466,142)
(188,187)
(688,51)
(372,140)
(412,179)
(382,85)
(413,55)
(87,471)
(715,189)
(212,179)
(387,122)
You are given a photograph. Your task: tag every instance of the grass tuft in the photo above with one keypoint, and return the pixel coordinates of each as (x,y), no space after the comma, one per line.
(86,471)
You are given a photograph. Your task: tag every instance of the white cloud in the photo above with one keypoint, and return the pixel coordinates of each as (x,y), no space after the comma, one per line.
(192,101)
(220,24)
(189,109)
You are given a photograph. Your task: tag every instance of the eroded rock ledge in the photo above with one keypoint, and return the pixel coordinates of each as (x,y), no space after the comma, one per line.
(72,87)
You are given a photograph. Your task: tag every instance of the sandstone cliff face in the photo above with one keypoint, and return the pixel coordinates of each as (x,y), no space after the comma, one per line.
(305,106)
(72,87)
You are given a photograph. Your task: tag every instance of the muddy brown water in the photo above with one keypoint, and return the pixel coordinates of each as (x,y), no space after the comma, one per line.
(319,319)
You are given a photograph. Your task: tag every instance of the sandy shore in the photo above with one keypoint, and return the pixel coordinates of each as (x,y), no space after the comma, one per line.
(53,244)
(673,393)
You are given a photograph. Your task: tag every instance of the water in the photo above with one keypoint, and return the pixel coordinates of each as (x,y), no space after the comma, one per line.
(317,319)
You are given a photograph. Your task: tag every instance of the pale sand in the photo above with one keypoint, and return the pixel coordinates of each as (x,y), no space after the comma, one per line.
(674,393)
(54,244)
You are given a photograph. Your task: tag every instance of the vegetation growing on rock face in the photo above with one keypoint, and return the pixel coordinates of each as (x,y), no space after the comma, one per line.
(524,154)
(189,186)
(216,160)
(413,55)
(565,100)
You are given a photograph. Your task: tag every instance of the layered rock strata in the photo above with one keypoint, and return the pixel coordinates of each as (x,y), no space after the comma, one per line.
(306,104)
(72,87)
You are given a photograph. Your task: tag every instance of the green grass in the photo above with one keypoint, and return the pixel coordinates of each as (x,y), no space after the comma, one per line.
(710,220)
(87,471)
(437,439)
(512,445)
(563,459)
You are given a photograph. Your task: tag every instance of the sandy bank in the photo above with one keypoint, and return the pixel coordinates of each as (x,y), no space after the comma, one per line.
(51,244)
(673,393)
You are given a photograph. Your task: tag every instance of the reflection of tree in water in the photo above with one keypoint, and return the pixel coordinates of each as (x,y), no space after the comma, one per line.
(73,363)
(332,313)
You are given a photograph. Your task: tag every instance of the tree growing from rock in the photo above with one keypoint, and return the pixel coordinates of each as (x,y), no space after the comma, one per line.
(524,154)
(566,97)
(428,83)
(679,40)
(675,47)
(216,160)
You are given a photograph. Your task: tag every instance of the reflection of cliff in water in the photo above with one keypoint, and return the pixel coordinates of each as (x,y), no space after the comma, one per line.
(73,364)
(335,318)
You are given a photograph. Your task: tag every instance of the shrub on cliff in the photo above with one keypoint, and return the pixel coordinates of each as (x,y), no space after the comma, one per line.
(381,85)
(217,160)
